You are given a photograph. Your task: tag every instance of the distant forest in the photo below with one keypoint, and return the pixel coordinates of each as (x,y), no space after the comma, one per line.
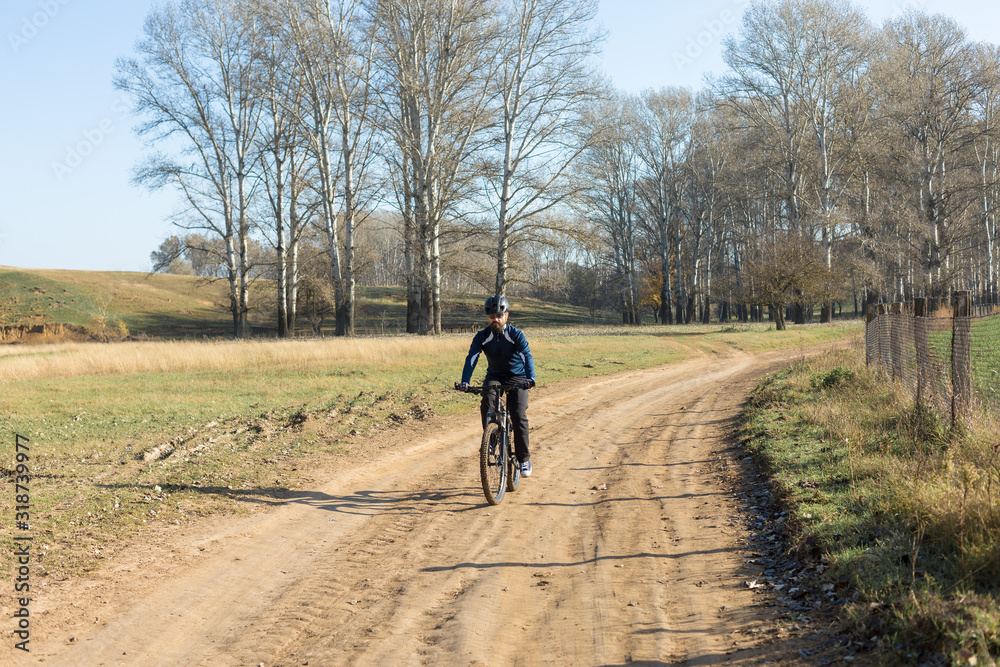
(472,145)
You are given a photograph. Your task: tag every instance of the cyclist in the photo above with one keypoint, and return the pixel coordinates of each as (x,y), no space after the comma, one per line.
(510,363)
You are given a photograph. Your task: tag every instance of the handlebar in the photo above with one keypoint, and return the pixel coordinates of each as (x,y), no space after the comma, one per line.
(474,389)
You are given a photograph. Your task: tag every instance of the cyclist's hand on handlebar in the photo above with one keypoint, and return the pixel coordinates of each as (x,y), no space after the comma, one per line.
(527,384)
(462,386)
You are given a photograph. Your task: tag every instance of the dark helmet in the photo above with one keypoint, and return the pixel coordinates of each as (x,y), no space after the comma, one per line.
(497,305)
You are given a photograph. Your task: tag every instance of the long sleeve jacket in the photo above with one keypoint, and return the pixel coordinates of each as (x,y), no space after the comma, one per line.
(508,355)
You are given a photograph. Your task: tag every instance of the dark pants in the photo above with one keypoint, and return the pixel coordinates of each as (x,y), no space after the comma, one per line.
(517,406)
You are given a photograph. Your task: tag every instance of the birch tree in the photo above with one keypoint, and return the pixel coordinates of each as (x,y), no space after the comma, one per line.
(610,169)
(315,56)
(435,58)
(194,83)
(931,81)
(760,88)
(987,149)
(544,81)
(665,119)
(835,90)
(710,156)
(282,158)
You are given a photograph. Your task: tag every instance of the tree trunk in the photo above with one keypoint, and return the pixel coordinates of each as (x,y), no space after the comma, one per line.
(282,271)
(332,231)
(436,278)
(778,317)
(292,285)
(347,318)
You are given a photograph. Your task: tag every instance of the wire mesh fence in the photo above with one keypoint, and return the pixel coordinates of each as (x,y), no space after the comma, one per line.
(947,357)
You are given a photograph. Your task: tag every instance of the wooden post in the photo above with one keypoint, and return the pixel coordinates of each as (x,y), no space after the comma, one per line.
(871,335)
(884,331)
(920,346)
(961,355)
(897,332)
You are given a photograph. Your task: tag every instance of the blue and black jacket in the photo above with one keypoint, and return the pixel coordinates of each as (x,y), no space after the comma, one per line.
(508,355)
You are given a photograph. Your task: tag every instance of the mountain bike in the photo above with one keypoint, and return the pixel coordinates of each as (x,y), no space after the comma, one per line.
(498,466)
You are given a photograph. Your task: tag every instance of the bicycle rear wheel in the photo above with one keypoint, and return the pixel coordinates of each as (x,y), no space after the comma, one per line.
(493,464)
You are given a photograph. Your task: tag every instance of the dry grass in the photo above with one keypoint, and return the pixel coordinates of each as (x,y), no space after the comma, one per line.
(85,359)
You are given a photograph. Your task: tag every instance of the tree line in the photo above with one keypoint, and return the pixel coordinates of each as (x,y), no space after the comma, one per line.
(472,143)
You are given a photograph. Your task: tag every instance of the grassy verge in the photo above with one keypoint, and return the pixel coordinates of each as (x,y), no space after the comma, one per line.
(128,434)
(905,509)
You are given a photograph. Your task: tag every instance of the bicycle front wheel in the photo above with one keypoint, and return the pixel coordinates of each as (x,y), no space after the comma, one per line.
(513,465)
(493,464)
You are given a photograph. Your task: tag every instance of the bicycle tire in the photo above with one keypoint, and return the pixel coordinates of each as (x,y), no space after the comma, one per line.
(513,465)
(493,464)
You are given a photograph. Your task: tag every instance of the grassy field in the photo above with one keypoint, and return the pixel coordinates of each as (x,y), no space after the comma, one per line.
(905,509)
(157,305)
(124,434)
(168,306)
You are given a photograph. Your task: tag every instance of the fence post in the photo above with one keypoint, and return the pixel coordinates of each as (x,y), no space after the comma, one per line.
(920,315)
(896,343)
(961,355)
(871,335)
(884,336)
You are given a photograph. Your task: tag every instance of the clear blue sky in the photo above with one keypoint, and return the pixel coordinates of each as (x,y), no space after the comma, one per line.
(62,209)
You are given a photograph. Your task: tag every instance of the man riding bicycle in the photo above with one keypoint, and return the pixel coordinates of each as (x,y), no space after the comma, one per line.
(510,363)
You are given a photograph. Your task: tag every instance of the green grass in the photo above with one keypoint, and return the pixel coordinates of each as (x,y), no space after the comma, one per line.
(148,304)
(905,510)
(30,298)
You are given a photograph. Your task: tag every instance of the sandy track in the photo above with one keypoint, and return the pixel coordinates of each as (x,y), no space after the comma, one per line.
(619,549)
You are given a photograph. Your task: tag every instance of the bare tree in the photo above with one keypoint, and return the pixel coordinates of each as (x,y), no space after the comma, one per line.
(282,158)
(836,90)
(314,52)
(195,82)
(543,82)
(711,155)
(987,147)
(764,67)
(663,136)
(610,169)
(434,58)
(799,73)
(931,81)
(334,46)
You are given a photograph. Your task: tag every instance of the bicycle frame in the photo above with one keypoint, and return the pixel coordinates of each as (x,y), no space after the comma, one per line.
(499,467)
(500,416)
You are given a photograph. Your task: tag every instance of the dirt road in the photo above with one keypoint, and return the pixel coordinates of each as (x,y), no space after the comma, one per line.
(621,548)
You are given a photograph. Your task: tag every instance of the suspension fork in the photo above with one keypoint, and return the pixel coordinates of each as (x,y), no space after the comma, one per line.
(500,414)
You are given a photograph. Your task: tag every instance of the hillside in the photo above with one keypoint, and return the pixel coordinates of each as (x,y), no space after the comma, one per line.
(155,305)
(170,306)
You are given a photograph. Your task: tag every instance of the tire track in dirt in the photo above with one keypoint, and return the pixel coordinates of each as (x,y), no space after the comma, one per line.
(617,549)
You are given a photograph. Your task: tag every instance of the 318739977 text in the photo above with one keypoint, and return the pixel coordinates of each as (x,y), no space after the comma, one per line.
(22,542)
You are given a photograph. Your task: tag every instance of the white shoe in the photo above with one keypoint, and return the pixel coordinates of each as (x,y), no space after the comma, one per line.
(525,468)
